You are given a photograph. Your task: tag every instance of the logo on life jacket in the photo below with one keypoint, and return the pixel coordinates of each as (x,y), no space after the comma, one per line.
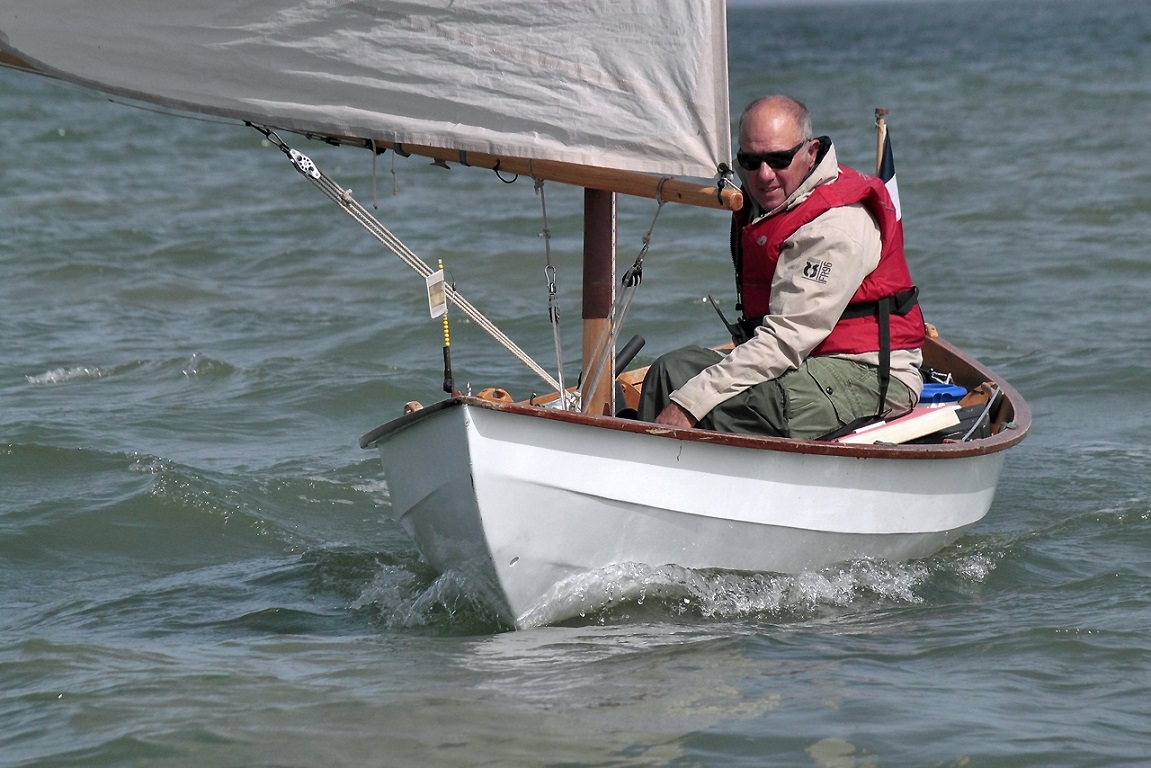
(818,271)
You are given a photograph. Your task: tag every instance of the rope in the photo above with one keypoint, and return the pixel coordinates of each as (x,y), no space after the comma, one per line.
(344,199)
(553,297)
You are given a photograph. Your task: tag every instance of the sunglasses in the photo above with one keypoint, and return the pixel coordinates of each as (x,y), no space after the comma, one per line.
(776,161)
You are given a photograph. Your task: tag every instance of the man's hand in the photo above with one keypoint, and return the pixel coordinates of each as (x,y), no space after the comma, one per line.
(675,415)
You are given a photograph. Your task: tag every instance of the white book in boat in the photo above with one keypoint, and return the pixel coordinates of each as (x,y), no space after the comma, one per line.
(923,420)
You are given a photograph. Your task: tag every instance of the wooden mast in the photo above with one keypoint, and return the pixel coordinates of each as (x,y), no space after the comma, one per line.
(880,137)
(12,60)
(599,250)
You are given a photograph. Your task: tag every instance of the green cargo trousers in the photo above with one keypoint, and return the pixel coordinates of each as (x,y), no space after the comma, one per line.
(820,396)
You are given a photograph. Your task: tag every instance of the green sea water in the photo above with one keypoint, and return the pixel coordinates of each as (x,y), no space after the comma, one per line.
(197,567)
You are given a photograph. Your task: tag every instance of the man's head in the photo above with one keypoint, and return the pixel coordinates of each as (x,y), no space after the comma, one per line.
(776,149)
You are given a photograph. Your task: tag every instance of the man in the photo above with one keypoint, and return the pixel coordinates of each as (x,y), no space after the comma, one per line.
(831,327)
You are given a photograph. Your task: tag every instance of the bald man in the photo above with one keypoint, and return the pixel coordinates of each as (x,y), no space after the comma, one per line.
(831,330)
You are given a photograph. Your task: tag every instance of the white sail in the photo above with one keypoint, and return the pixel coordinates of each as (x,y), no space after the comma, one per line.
(637,85)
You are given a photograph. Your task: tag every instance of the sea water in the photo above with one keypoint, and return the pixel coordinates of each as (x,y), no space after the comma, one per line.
(197,564)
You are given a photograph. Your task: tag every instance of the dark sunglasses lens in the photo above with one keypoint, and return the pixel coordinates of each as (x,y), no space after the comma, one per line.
(748,162)
(776,161)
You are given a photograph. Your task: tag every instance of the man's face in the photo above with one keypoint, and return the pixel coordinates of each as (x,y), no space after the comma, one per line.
(768,130)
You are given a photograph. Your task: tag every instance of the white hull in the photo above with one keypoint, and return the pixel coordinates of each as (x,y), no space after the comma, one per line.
(523,502)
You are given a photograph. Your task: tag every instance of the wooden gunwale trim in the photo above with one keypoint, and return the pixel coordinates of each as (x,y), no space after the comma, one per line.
(965,369)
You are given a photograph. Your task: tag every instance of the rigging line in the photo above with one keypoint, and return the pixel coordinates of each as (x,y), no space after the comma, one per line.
(344,199)
(553,297)
(381,233)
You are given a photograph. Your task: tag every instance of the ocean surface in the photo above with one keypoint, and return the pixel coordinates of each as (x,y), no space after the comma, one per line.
(197,565)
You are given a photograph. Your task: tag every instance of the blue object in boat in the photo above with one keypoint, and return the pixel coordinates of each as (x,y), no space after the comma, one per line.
(935,393)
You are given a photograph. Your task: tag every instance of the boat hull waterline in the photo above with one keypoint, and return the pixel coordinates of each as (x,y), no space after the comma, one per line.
(524,503)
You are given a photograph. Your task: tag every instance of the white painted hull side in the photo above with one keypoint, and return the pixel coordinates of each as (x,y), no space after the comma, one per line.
(521,505)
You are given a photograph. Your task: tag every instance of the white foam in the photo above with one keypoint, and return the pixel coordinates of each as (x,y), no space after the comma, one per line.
(61,375)
(727,594)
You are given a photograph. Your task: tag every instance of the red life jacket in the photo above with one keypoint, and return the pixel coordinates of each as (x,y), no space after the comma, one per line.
(756,249)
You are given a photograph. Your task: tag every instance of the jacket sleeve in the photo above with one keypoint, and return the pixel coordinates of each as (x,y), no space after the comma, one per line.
(820,268)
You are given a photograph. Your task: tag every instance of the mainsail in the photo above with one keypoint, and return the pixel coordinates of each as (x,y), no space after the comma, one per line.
(638,85)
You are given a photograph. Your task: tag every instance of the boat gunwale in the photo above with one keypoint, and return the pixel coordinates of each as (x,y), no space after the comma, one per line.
(1019,416)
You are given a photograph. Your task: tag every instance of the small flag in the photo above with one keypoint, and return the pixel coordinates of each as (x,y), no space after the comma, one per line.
(887,174)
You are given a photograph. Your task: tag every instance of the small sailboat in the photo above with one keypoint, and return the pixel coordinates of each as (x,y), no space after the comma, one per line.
(531,502)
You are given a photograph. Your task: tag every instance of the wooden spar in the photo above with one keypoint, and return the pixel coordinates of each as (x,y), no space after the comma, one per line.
(586,176)
(880,137)
(11,60)
(599,249)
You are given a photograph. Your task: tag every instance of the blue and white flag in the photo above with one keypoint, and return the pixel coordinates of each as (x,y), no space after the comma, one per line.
(887,173)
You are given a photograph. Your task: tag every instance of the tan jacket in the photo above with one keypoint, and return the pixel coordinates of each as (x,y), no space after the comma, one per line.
(803,311)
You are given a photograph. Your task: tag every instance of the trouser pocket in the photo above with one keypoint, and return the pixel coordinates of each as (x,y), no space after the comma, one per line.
(825,393)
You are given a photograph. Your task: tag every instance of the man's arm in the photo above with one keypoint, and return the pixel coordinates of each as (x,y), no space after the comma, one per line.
(819,270)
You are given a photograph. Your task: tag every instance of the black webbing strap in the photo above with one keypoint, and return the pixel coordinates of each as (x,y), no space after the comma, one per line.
(883,315)
(899,304)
